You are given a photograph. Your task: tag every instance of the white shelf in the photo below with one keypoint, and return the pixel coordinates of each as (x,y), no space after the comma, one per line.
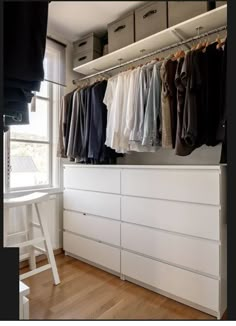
(208,21)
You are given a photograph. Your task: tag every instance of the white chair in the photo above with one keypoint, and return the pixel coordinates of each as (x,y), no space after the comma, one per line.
(24,290)
(29,201)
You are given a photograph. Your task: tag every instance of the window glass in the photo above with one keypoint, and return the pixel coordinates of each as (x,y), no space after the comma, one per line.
(29,164)
(44,90)
(37,129)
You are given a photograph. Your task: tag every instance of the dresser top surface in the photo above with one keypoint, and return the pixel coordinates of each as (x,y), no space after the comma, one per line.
(164,167)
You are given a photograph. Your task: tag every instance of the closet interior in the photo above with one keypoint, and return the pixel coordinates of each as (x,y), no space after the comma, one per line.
(127,136)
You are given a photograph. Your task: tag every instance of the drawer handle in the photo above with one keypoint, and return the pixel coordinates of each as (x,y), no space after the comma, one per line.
(82,43)
(82,58)
(149,13)
(119,28)
(84,214)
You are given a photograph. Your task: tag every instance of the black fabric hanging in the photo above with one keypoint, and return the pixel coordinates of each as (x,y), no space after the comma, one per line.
(25,27)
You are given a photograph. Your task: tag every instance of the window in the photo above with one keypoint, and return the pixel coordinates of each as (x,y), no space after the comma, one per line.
(31,145)
(30,150)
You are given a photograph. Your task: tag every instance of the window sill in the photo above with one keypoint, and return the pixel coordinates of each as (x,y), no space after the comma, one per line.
(51,191)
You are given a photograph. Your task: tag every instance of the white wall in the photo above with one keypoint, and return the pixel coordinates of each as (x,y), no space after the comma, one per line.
(202,155)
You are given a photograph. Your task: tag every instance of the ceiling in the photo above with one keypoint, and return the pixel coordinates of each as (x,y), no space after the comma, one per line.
(73,19)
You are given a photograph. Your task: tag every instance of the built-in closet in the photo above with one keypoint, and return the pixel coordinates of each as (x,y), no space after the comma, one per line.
(154,218)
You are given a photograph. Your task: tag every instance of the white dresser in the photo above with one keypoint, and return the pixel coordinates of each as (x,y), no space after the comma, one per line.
(162,227)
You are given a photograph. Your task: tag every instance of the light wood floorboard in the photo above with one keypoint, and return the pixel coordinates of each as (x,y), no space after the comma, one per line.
(87,292)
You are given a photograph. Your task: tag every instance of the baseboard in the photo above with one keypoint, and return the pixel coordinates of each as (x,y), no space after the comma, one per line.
(39,258)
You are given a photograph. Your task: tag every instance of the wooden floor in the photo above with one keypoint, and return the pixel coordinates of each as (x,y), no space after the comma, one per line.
(87,292)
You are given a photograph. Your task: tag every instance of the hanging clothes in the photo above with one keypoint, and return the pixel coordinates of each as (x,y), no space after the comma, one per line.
(169,104)
(65,115)
(181,147)
(152,118)
(165,105)
(84,117)
(214,84)
(222,127)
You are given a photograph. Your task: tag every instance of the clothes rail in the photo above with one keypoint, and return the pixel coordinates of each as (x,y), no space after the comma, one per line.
(197,37)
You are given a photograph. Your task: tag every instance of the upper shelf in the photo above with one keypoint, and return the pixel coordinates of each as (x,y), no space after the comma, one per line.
(187,29)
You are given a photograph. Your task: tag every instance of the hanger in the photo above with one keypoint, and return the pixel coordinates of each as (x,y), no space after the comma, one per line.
(218,40)
(220,43)
(207,43)
(179,54)
(193,47)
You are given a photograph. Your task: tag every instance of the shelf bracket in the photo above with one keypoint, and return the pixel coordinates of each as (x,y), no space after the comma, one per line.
(180,37)
(105,74)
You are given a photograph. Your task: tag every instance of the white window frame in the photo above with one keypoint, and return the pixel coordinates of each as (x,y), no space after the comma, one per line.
(54,163)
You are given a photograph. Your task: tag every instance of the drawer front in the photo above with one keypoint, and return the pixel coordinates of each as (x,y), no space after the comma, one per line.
(196,288)
(220,3)
(93,251)
(150,19)
(104,180)
(89,43)
(98,228)
(187,218)
(84,57)
(93,203)
(121,33)
(197,186)
(196,254)
(180,11)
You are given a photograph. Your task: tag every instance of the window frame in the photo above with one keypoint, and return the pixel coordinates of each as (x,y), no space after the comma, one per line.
(7,142)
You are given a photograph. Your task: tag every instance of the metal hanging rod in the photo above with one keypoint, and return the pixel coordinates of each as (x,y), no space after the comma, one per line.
(216,30)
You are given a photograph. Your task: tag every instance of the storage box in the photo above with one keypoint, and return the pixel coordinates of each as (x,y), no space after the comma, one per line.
(84,57)
(89,42)
(179,11)
(121,32)
(150,18)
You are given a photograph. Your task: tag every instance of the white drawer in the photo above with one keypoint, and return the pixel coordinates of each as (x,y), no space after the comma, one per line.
(193,287)
(190,185)
(93,203)
(98,228)
(93,251)
(196,254)
(100,179)
(188,218)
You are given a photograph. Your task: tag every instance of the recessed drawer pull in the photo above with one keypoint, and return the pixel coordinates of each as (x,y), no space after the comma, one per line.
(149,13)
(82,43)
(82,58)
(119,28)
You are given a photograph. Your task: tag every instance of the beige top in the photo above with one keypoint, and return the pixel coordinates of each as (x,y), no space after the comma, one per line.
(165,108)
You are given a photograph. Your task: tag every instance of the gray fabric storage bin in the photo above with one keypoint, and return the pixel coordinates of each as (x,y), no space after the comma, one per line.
(121,32)
(150,18)
(89,42)
(84,57)
(179,11)
(220,3)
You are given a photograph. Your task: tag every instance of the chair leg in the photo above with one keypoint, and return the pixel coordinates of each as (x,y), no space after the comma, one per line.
(5,225)
(31,251)
(51,258)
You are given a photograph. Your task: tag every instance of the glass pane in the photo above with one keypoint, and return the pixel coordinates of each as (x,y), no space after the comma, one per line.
(37,129)
(44,89)
(29,164)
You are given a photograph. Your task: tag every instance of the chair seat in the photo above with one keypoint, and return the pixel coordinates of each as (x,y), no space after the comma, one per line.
(35,197)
